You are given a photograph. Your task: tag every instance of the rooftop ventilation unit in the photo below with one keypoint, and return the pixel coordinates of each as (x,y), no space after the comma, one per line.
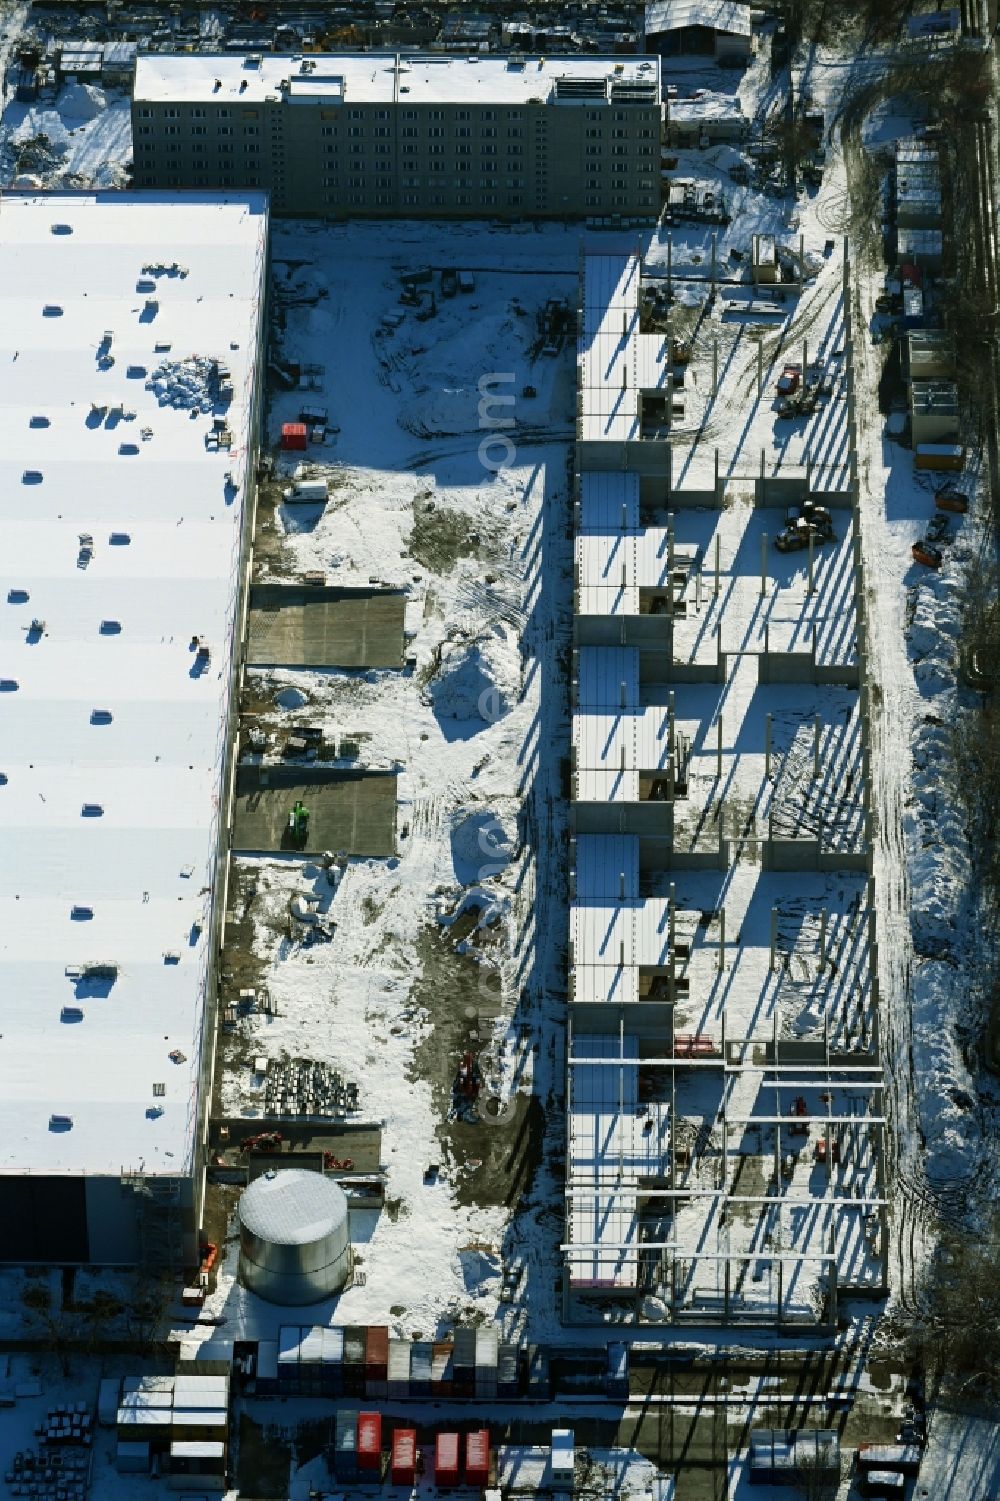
(60,1123)
(71,1014)
(92,810)
(98,969)
(253,60)
(80,913)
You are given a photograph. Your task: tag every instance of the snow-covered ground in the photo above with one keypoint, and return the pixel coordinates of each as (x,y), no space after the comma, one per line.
(418,501)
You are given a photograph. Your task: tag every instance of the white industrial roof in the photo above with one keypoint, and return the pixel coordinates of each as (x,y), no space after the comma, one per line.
(608,349)
(728,16)
(110,829)
(386,78)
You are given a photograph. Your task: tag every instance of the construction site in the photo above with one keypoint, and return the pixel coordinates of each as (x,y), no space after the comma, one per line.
(724,1092)
(566,914)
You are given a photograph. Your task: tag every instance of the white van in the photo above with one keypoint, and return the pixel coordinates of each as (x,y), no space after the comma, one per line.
(311,490)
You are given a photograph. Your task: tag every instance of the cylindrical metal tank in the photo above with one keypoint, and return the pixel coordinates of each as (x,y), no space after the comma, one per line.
(295,1244)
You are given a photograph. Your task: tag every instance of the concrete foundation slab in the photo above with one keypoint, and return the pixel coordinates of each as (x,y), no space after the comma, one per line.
(310,626)
(351,812)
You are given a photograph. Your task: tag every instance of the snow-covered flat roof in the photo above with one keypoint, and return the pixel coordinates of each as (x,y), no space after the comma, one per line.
(121,531)
(388,78)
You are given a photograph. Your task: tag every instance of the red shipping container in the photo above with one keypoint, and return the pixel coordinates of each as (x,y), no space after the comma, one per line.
(294,435)
(446,1456)
(477,1457)
(376,1352)
(369,1440)
(404,1456)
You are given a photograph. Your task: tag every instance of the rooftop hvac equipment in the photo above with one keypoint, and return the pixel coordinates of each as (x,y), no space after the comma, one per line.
(295,1245)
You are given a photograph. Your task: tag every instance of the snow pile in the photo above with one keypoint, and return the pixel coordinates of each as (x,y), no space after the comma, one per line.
(481,845)
(478,679)
(81,101)
(941,919)
(944,1085)
(933,635)
(488,905)
(184,383)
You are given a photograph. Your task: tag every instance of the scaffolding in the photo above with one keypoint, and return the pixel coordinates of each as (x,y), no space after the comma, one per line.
(158,1218)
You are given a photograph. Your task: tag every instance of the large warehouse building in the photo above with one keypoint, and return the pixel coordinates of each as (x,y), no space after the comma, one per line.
(131,342)
(712,28)
(383,134)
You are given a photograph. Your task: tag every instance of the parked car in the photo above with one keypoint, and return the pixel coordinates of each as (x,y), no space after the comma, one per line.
(926,553)
(950,498)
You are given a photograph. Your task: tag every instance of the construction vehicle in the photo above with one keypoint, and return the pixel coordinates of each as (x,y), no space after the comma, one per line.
(809,510)
(938,530)
(469,1079)
(926,553)
(950,498)
(795,538)
(263,1141)
(834,1150)
(334,1164)
(298,823)
(429,310)
(449,282)
(789,380)
(799,404)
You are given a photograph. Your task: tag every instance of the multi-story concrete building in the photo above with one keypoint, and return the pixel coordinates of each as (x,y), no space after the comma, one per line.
(383,134)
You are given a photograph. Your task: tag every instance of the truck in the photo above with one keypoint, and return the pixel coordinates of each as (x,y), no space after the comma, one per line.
(466,281)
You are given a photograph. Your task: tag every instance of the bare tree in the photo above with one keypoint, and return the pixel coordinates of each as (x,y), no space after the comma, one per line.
(55,1325)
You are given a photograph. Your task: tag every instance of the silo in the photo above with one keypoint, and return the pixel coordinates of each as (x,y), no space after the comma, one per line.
(295,1244)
